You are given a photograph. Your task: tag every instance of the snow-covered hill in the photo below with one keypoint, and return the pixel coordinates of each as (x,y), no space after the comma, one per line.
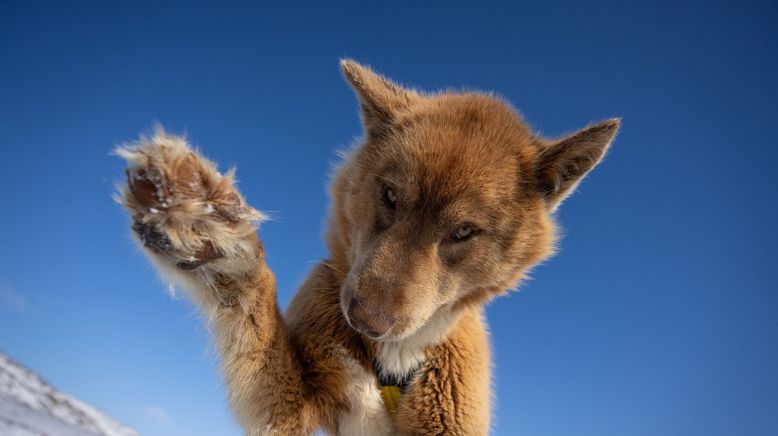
(31,407)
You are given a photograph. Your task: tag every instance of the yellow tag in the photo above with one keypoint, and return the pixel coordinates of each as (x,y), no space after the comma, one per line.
(391,397)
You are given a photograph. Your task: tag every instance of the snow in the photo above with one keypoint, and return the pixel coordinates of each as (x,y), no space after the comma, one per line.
(19,420)
(31,407)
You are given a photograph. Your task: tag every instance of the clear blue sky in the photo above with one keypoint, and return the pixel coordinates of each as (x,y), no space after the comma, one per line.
(658,317)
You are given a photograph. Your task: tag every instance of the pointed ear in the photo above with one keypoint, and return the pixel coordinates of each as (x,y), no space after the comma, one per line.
(563,163)
(379,97)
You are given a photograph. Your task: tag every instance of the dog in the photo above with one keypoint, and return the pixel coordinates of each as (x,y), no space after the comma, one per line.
(447,202)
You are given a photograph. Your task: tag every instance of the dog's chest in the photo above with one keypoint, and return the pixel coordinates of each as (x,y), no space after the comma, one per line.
(366,414)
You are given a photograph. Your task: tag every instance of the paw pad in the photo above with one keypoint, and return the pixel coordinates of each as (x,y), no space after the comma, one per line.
(151,237)
(149,187)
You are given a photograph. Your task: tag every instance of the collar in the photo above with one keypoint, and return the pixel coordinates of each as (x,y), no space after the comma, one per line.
(391,388)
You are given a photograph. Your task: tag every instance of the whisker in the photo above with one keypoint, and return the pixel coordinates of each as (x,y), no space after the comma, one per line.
(393,182)
(332,267)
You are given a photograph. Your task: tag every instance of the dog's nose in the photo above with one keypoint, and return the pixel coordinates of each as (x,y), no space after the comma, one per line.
(368,323)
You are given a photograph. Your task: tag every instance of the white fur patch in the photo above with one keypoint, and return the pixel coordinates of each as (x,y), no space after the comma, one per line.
(366,414)
(398,358)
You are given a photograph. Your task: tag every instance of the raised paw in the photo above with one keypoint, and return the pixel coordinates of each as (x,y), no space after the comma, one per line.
(184,211)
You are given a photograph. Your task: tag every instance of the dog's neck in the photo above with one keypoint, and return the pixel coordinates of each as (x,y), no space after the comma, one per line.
(397,359)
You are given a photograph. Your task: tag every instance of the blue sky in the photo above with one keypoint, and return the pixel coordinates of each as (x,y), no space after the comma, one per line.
(658,317)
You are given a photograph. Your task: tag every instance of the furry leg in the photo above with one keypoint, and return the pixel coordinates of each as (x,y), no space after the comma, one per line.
(198,231)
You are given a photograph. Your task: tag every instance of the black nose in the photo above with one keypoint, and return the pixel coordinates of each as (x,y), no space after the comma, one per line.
(371,324)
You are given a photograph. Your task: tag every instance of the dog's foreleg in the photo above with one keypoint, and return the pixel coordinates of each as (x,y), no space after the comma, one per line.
(198,231)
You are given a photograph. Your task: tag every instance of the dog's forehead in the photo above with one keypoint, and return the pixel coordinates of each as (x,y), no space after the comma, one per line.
(461,144)
(471,129)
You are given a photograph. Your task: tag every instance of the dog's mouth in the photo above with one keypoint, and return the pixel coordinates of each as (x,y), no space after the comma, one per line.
(398,331)
(374,318)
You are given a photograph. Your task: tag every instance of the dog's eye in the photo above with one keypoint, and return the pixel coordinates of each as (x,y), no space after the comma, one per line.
(463,233)
(390,198)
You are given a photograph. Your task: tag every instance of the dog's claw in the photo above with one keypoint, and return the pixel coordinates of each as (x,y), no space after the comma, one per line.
(190,265)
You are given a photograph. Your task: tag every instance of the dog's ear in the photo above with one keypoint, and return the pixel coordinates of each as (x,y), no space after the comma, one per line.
(379,97)
(563,163)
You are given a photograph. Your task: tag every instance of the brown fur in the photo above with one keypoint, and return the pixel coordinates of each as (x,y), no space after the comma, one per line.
(430,166)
